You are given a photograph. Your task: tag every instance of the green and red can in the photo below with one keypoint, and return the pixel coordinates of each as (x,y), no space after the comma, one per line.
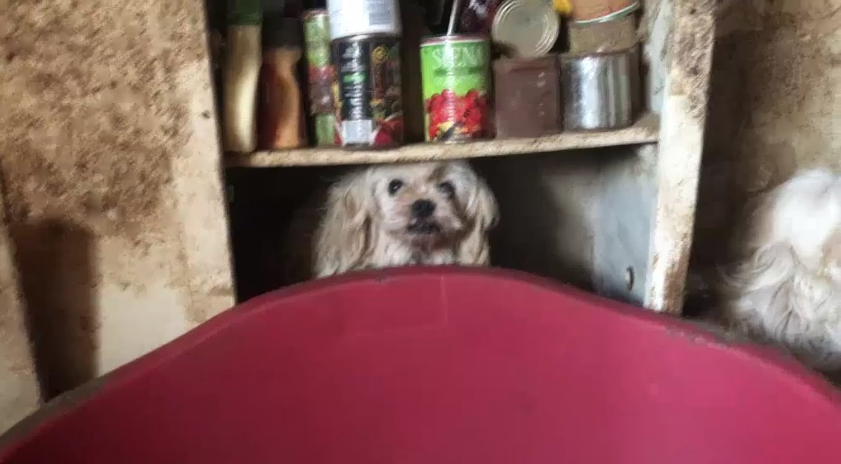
(327,130)
(320,71)
(455,81)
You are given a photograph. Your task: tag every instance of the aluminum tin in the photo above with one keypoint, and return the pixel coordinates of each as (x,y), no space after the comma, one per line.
(588,10)
(360,17)
(525,28)
(610,16)
(599,90)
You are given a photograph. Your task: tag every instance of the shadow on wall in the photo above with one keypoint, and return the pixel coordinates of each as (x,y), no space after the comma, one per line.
(261,205)
(541,211)
(55,260)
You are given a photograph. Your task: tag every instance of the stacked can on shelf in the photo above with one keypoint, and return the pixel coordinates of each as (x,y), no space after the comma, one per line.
(365,50)
(322,77)
(454,71)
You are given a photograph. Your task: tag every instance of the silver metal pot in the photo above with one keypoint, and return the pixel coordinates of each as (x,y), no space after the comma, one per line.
(599,90)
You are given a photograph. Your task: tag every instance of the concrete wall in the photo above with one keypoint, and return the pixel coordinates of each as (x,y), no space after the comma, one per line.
(775,107)
(111,165)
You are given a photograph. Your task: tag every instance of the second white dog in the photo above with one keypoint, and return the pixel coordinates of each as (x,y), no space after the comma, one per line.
(787,288)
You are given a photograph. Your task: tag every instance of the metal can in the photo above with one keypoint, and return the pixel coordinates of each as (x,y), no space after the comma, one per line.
(525,28)
(326,130)
(614,32)
(599,90)
(527,92)
(585,10)
(320,72)
(362,17)
(454,77)
(369,104)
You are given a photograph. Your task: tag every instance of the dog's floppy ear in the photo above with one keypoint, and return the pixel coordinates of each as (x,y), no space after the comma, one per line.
(342,239)
(483,211)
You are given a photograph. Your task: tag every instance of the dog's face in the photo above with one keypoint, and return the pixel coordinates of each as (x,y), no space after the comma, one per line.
(427,204)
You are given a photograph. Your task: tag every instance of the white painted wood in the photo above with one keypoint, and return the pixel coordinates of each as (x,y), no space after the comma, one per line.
(683,116)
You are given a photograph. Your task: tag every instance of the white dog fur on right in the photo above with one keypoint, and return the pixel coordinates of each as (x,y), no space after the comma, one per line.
(786,290)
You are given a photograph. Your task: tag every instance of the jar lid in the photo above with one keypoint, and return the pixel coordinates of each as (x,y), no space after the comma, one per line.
(525,28)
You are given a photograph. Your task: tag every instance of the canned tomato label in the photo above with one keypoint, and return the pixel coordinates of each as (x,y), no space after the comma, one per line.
(319,71)
(360,17)
(454,73)
(369,94)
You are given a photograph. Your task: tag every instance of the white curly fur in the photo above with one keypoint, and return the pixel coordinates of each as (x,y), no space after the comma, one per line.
(361,224)
(787,288)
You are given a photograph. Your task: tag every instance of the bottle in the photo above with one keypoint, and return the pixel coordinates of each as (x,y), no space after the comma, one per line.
(282,123)
(240,75)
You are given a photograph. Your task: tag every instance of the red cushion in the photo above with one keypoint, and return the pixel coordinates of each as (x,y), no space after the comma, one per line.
(445,366)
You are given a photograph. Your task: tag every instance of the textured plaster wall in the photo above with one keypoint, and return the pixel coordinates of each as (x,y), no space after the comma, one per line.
(110,162)
(19,393)
(775,107)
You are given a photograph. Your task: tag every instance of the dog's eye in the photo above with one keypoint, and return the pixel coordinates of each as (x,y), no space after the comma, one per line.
(394,186)
(447,188)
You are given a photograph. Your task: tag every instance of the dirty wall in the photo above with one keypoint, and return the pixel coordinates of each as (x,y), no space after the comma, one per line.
(109,157)
(112,186)
(775,107)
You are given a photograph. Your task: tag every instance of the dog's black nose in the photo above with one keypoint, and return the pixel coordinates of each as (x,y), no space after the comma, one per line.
(423,208)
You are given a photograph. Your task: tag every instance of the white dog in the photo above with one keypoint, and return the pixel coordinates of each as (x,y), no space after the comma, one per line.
(397,215)
(787,289)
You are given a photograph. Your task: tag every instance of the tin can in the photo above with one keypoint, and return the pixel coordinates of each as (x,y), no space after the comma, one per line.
(454,77)
(350,18)
(369,104)
(614,32)
(326,130)
(528,97)
(586,10)
(319,70)
(525,28)
(599,90)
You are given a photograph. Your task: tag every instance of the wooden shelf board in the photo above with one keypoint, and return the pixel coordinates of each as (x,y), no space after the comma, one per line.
(645,130)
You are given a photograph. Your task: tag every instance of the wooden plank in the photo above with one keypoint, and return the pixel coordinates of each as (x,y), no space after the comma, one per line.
(684,114)
(644,131)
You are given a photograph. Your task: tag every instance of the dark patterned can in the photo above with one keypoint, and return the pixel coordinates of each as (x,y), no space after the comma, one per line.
(369,105)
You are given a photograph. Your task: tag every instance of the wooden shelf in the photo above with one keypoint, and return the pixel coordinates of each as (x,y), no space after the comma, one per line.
(645,130)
